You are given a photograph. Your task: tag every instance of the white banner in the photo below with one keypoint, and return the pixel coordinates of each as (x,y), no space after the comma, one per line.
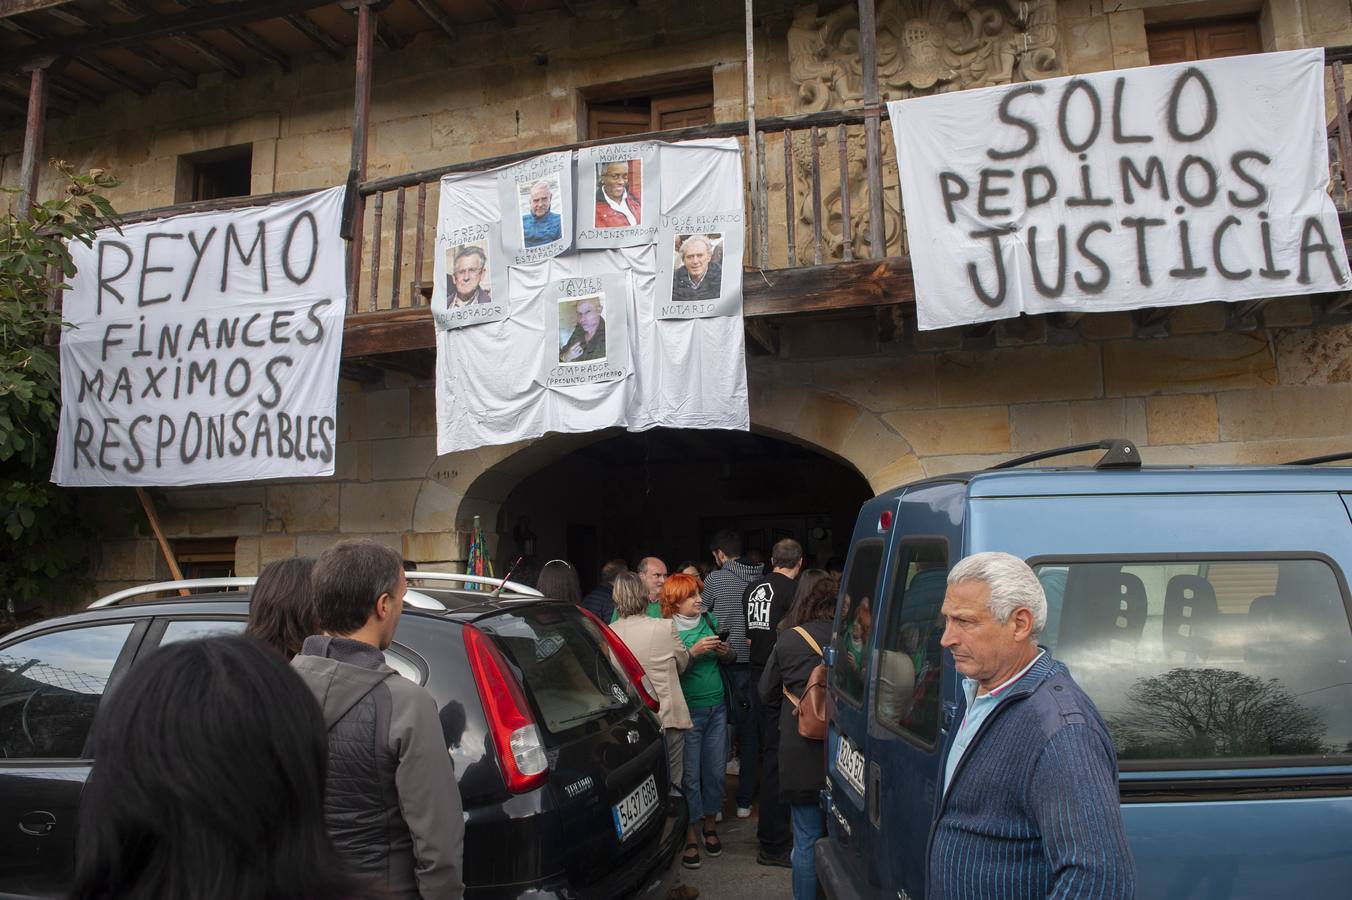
(593,318)
(1157,186)
(205,348)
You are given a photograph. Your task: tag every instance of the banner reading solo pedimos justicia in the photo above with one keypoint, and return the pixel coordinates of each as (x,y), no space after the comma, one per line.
(1156,186)
(205,348)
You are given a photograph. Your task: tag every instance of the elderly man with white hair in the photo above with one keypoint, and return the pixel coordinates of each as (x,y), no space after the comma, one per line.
(1029,802)
(699,277)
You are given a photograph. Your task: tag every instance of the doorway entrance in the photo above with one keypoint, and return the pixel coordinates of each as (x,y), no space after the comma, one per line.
(665,492)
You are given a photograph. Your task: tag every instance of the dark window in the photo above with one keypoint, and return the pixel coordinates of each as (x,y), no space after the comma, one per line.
(50,688)
(850,671)
(1194,41)
(215,174)
(657,104)
(1208,659)
(910,660)
(205,557)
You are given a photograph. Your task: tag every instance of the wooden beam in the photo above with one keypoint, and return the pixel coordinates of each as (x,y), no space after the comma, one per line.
(388,37)
(196,44)
(502,12)
(153,518)
(85,19)
(366,334)
(32,141)
(57,101)
(327,42)
(1152,321)
(247,39)
(112,73)
(846,285)
(436,15)
(763,335)
(202,18)
(88,61)
(19,7)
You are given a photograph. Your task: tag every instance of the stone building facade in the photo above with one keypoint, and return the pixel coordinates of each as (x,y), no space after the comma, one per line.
(1207,386)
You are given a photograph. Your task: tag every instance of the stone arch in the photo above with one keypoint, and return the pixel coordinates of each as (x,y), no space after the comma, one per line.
(462,485)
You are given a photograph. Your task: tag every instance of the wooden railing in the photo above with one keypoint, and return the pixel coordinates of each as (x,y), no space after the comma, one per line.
(820,190)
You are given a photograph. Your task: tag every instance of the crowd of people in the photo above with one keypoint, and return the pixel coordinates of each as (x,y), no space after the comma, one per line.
(339,784)
(729,648)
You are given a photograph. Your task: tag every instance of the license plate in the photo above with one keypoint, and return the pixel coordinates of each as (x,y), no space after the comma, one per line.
(634,810)
(850,764)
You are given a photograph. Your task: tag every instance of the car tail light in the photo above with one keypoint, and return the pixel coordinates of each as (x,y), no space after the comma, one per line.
(626,659)
(510,721)
(885,520)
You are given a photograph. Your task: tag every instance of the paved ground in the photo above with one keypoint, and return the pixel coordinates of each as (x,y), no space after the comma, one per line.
(735,874)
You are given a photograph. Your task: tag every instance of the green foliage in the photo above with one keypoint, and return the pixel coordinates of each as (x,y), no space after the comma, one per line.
(49,532)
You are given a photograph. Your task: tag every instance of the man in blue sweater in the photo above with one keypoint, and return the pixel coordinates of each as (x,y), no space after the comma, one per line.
(1029,806)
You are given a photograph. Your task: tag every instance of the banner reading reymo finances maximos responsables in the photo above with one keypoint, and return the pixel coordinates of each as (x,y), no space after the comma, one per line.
(1156,186)
(204,348)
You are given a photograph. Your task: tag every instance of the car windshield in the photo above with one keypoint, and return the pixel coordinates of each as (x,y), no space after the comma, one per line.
(562,665)
(1208,658)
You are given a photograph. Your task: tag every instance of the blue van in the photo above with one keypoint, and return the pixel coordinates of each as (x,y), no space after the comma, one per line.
(1205,611)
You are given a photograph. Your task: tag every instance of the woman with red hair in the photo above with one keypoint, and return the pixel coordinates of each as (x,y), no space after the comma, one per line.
(706,739)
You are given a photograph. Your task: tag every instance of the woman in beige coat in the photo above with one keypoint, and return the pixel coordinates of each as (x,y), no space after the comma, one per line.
(663,656)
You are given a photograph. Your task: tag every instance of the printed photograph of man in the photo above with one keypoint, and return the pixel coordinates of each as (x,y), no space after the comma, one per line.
(699,276)
(619,194)
(587,341)
(540,224)
(467,276)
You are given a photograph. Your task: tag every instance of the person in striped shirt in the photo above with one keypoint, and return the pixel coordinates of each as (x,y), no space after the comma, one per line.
(1029,800)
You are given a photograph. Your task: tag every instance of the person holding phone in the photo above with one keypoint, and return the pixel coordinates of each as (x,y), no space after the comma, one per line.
(706,739)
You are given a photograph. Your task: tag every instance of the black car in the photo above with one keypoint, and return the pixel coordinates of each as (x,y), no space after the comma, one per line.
(557,748)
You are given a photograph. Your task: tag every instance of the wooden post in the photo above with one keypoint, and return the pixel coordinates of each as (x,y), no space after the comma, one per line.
(752,150)
(153,517)
(789,197)
(416,299)
(846,226)
(361,117)
(1344,139)
(868,52)
(32,140)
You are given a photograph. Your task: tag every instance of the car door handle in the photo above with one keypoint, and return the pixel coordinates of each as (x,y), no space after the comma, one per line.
(37,823)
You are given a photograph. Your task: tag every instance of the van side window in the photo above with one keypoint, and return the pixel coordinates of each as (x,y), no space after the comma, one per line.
(910,661)
(1245,659)
(850,672)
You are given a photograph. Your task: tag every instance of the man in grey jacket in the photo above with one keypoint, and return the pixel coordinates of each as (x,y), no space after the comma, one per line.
(391,802)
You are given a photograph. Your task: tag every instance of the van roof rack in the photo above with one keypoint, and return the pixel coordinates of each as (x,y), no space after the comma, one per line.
(1122,454)
(1317,460)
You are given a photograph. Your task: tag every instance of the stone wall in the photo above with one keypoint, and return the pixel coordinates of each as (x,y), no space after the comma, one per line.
(896,411)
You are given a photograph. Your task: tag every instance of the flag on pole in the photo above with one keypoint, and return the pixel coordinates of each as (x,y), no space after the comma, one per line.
(478,562)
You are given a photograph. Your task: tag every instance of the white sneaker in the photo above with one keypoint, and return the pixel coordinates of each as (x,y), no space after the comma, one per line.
(743,812)
(719,817)
(734,766)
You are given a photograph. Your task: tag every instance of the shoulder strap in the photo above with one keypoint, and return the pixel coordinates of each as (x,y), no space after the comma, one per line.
(807,637)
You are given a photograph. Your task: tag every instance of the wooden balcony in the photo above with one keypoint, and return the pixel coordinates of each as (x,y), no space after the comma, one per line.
(825,233)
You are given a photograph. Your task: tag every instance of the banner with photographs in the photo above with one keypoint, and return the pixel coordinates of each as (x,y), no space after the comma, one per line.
(585,345)
(1156,186)
(205,348)
(469,277)
(693,253)
(619,195)
(591,319)
(536,200)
